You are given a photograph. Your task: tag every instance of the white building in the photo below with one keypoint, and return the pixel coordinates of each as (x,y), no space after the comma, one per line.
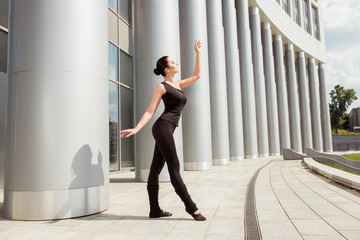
(79,71)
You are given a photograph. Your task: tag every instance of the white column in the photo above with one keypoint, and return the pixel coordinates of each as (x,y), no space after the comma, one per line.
(293,99)
(58,139)
(282,100)
(304,102)
(315,106)
(149,15)
(3,107)
(217,74)
(247,80)
(272,109)
(233,82)
(196,116)
(259,79)
(325,114)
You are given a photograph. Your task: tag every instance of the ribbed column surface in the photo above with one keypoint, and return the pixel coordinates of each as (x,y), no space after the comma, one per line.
(149,23)
(196,114)
(58,127)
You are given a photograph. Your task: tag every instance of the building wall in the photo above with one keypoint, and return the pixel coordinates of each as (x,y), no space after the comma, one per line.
(287,24)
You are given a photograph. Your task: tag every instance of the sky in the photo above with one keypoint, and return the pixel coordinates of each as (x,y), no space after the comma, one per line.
(341,21)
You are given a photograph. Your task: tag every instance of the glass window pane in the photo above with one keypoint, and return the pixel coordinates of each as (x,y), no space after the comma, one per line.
(113,4)
(3,51)
(125,10)
(127,121)
(4,11)
(113,125)
(113,62)
(126,69)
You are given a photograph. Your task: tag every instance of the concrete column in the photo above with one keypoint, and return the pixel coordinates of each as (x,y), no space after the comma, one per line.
(282,101)
(3,107)
(304,103)
(272,109)
(233,82)
(247,80)
(149,15)
(196,116)
(293,99)
(58,139)
(315,106)
(217,74)
(324,108)
(259,79)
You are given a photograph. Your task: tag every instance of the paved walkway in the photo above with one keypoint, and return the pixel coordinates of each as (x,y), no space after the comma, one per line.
(291,203)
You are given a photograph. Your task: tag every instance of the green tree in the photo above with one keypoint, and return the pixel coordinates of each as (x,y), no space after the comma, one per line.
(341,99)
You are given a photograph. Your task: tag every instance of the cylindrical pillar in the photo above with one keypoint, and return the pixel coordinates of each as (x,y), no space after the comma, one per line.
(325,114)
(259,79)
(272,109)
(293,99)
(149,15)
(217,74)
(196,115)
(314,106)
(247,80)
(58,139)
(304,102)
(282,100)
(233,82)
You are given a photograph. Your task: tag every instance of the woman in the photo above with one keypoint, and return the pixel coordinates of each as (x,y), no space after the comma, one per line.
(163,129)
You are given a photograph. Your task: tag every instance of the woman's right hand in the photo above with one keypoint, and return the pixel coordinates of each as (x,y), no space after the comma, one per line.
(197,46)
(128,132)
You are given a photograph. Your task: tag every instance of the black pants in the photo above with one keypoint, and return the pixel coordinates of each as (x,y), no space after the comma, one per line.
(165,151)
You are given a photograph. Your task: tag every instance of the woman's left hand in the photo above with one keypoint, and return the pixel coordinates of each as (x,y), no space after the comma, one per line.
(197,46)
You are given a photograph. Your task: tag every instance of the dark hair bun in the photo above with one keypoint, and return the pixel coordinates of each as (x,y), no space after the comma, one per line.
(157,71)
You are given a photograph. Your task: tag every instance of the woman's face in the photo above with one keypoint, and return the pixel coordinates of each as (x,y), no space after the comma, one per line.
(173,67)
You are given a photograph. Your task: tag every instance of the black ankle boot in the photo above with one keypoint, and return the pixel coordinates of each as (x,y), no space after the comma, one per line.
(155,210)
(198,217)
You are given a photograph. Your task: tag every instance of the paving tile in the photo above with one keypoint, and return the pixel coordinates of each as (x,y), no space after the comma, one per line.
(289,201)
(314,227)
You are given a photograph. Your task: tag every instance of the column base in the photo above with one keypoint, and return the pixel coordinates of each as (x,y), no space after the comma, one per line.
(59,204)
(274,154)
(264,155)
(221,161)
(236,159)
(251,156)
(197,166)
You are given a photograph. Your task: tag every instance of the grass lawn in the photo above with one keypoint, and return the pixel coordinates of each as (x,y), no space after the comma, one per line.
(355,156)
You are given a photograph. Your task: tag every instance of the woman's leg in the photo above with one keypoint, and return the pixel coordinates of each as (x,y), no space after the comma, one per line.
(153,183)
(166,144)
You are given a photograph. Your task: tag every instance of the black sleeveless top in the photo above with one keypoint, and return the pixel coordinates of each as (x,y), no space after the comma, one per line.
(174,100)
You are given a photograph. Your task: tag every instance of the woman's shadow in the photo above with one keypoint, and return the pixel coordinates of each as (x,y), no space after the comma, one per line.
(83,198)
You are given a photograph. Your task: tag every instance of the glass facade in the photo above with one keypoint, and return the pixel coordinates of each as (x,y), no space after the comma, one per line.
(123,8)
(284,5)
(3,51)
(305,13)
(4,7)
(295,10)
(121,106)
(4,13)
(114,126)
(314,14)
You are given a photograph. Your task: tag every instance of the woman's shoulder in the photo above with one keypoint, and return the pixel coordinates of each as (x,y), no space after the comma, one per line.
(161,88)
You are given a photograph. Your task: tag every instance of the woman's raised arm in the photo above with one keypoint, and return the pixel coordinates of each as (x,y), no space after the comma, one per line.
(197,71)
(159,91)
